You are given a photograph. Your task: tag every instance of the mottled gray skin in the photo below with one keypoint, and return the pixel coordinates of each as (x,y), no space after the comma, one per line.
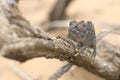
(83,33)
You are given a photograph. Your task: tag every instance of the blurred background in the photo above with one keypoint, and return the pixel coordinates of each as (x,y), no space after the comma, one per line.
(53,16)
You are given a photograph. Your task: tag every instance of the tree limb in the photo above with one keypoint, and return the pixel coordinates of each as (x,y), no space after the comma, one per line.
(32,43)
(112,53)
(60,49)
(58,11)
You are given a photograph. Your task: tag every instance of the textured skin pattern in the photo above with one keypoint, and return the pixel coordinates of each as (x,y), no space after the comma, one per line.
(83,33)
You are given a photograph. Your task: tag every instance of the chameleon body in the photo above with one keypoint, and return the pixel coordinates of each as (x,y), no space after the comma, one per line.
(83,33)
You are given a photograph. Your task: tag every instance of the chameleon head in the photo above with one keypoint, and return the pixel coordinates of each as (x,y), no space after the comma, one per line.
(82,31)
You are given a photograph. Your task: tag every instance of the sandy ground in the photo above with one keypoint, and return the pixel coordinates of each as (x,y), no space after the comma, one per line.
(36,11)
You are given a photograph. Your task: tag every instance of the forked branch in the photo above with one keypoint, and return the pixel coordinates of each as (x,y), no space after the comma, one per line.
(31,43)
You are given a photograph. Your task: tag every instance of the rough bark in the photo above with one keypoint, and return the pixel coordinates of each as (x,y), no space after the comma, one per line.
(20,41)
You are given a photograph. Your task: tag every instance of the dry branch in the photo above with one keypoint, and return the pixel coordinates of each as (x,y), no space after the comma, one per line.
(18,71)
(58,11)
(60,49)
(66,67)
(112,52)
(31,43)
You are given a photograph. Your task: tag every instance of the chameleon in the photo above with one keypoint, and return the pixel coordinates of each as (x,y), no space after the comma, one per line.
(84,34)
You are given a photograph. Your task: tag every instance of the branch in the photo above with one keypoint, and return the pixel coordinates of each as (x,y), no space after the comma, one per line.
(66,67)
(112,53)
(106,32)
(58,11)
(32,43)
(18,71)
(25,49)
(13,17)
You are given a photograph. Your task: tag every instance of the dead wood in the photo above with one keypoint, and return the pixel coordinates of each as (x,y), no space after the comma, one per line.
(20,41)
(112,53)
(58,11)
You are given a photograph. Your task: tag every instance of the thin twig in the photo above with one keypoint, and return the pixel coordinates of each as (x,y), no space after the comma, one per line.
(66,67)
(18,71)
(106,32)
